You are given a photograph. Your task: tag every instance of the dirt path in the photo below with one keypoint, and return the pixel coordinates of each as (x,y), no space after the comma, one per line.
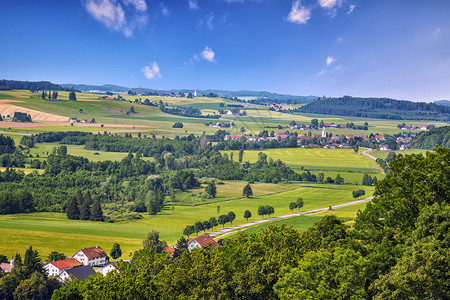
(10,109)
(366,153)
(244,226)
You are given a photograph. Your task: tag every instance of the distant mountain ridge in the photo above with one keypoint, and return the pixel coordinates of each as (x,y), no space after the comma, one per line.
(442,102)
(380,108)
(222,93)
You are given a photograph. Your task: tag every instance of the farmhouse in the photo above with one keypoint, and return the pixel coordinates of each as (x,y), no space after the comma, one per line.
(232,137)
(55,268)
(202,241)
(73,120)
(82,272)
(94,256)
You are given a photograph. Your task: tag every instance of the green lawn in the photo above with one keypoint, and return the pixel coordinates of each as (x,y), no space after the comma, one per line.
(384,154)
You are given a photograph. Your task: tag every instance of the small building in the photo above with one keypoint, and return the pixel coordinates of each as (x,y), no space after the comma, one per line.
(106,268)
(85,121)
(81,273)
(73,120)
(94,256)
(55,268)
(6,267)
(324,132)
(232,137)
(202,241)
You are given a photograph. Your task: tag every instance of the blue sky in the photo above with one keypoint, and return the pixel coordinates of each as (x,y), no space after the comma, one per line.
(382,48)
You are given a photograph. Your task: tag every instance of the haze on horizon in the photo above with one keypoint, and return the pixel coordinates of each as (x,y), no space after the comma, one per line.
(396,49)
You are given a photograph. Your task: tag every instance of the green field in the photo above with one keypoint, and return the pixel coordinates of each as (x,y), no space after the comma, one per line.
(384,154)
(345,160)
(52,231)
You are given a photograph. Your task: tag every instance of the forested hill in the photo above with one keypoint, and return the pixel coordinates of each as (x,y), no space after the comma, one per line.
(427,140)
(380,108)
(443,102)
(31,85)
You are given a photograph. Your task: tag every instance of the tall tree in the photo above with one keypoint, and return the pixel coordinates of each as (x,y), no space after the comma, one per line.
(198,226)
(206,226)
(54,256)
(247,191)
(262,211)
(213,222)
(292,206)
(32,261)
(72,96)
(96,211)
(188,230)
(73,210)
(181,246)
(116,252)
(211,189)
(231,216)
(299,203)
(241,155)
(247,214)
(223,219)
(153,242)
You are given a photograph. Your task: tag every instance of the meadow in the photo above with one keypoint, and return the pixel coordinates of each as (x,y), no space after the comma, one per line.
(53,231)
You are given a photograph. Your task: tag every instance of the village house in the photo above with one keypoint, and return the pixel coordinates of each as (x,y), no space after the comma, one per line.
(73,120)
(55,268)
(232,137)
(81,273)
(94,256)
(202,241)
(85,121)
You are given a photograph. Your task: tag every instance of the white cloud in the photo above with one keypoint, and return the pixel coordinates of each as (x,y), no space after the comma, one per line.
(340,39)
(330,60)
(193,4)
(139,5)
(164,10)
(321,72)
(298,13)
(329,3)
(208,54)
(208,21)
(351,9)
(112,14)
(151,72)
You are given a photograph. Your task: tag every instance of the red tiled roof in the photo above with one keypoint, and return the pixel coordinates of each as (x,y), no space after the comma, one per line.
(5,266)
(93,252)
(206,241)
(66,263)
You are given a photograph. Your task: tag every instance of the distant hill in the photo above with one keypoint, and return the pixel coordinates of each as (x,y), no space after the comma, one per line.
(427,140)
(281,98)
(442,102)
(380,108)
(31,85)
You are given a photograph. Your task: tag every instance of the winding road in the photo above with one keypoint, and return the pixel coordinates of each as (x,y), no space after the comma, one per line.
(243,226)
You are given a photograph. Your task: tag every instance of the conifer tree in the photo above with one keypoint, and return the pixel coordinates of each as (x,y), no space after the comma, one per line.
(73,209)
(96,211)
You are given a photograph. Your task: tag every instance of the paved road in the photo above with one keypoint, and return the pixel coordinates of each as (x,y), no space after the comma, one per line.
(228,229)
(366,153)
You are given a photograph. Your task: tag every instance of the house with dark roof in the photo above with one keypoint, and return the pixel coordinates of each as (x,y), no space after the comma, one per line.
(202,241)
(94,256)
(80,273)
(55,268)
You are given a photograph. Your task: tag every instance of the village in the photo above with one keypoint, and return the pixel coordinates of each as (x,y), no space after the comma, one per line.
(93,260)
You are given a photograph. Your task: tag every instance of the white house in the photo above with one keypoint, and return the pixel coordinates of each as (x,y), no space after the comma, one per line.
(73,120)
(55,268)
(202,241)
(94,256)
(106,268)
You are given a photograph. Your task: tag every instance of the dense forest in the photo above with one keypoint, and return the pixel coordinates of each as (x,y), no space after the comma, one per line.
(31,85)
(380,108)
(427,140)
(398,248)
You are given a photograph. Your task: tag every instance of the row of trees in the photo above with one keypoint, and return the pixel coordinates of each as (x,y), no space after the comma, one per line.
(265,210)
(209,224)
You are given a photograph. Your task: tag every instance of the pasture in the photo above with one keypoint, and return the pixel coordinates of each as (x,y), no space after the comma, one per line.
(52,231)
